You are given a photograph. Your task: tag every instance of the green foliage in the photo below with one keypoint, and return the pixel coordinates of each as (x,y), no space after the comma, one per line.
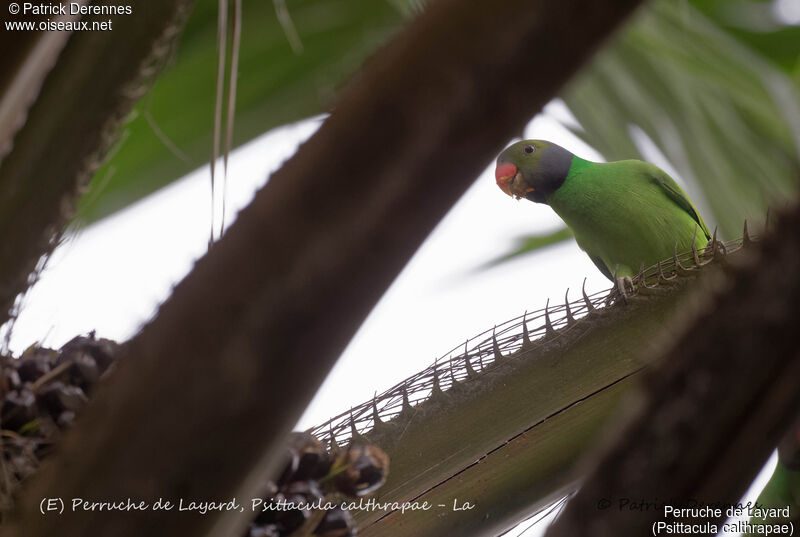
(531,243)
(275,86)
(753,23)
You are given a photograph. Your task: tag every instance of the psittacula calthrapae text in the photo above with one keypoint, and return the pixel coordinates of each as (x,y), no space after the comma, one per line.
(623,214)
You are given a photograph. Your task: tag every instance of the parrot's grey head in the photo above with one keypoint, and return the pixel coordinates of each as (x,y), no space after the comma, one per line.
(532,169)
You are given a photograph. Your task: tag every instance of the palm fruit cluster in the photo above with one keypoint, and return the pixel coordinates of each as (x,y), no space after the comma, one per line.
(43,390)
(40,394)
(315,475)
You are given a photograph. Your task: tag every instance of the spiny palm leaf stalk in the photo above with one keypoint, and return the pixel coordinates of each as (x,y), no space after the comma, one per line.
(501,421)
(69,129)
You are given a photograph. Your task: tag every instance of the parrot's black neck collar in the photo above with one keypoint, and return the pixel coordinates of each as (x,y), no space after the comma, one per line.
(554,165)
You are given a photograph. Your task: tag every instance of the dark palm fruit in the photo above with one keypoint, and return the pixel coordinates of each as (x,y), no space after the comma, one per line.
(289,469)
(269,493)
(336,523)
(288,520)
(365,469)
(22,465)
(33,366)
(307,459)
(309,490)
(102,351)
(314,460)
(9,379)
(19,408)
(292,462)
(83,372)
(268,516)
(57,397)
(40,394)
(65,419)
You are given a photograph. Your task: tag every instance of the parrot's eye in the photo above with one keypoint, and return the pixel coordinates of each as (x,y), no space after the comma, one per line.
(529,149)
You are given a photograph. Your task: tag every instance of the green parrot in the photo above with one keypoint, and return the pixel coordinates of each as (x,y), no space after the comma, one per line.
(622,213)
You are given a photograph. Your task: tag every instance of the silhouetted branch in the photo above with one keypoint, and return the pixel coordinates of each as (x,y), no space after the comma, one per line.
(92,88)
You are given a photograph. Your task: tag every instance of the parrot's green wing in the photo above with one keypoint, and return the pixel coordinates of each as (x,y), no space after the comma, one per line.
(674,192)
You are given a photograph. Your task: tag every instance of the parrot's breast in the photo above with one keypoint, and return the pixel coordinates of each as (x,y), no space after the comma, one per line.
(621,217)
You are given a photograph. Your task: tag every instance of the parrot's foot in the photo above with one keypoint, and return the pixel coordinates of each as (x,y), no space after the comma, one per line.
(622,286)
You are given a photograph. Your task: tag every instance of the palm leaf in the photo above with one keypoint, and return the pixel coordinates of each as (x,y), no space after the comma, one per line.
(531,243)
(170,132)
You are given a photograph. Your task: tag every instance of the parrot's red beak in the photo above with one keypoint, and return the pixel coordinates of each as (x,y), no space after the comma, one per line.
(504,173)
